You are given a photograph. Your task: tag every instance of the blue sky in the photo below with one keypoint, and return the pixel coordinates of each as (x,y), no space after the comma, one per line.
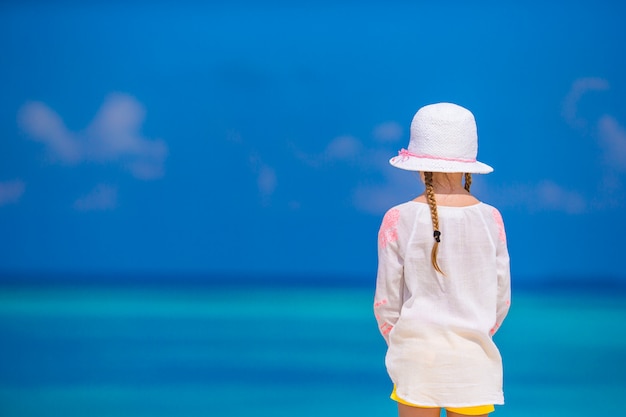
(243,138)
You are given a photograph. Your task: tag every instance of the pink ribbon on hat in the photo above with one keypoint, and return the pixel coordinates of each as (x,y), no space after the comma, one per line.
(405,154)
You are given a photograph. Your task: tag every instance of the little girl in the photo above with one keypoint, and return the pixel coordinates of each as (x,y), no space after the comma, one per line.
(443,283)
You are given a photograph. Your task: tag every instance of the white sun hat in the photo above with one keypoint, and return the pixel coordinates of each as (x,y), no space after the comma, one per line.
(443,139)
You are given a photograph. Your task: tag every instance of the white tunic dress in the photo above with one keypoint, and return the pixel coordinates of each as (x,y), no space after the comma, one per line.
(439,328)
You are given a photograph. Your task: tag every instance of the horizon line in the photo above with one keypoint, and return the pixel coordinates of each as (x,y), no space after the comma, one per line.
(279,279)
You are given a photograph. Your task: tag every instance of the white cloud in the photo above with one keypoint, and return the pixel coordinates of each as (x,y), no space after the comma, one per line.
(388,132)
(546,195)
(264,174)
(552,196)
(44,125)
(102,197)
(342,148)
(11,191)
(579,88)
(374,197)
(266,180)
(112,136)
(396,188)
(612,138)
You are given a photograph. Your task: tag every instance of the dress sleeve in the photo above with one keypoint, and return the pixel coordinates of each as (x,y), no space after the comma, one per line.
(504,274)
(389,279)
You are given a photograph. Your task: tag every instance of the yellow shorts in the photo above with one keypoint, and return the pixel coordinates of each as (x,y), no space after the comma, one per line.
(468,411)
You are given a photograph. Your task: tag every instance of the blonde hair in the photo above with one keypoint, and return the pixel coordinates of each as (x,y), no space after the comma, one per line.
(432,203)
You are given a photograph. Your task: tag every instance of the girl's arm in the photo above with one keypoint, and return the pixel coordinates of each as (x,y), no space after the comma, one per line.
(504,274)
(389,279)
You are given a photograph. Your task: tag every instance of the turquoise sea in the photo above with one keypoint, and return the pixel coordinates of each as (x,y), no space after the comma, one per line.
(308,350)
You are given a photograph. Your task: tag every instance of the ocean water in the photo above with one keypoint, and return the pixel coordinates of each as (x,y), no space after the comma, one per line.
(281,351)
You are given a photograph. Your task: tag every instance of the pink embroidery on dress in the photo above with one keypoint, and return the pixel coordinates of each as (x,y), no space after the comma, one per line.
(386,328)
(493,329)
(378,304)
(388,232)
(498,218)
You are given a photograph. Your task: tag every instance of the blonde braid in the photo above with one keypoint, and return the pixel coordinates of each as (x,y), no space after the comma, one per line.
(432,203)
(468,181)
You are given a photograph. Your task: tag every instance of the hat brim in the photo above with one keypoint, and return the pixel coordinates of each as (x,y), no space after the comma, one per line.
(413,163)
